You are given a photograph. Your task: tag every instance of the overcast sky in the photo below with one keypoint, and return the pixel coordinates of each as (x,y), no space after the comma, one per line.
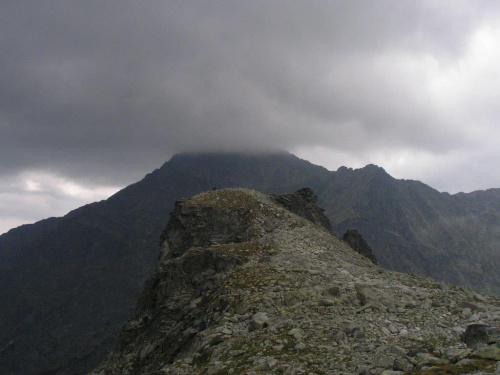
(95,94)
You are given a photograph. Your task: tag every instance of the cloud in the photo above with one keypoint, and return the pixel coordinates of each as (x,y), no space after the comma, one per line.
(35,195)
(102,92)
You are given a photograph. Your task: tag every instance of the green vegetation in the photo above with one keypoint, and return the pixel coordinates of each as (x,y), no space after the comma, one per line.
(456,369)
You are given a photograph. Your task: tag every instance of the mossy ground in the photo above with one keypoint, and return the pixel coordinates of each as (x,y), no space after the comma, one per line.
(455,369)
(228,199)
(243,250)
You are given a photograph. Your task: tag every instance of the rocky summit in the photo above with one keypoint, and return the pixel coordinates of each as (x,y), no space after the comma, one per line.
(245,286)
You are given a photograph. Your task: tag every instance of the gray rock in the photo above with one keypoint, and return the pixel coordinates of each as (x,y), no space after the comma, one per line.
(383,361)
(426,359)
(393,328)
(489,352)
(466,312)
(259,321)
(401,364)
(470,305)
(241,308)
(360,370)
(267,365)
(352,327)
(296,333)
(456,354)
(326,302)
(480,297)
(375,297)
(303,204)
(356,241)
(366,348)
(386,331)
(397,350)
(341,335)
(477,335)
(293,298)
(300,346)
(185,229)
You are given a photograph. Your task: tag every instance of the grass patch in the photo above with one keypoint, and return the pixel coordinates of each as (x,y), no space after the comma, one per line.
(455,369)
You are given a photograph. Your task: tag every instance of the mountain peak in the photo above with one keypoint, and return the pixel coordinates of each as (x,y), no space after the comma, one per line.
(375,170)
(373,167)
(228,154)
(369,168)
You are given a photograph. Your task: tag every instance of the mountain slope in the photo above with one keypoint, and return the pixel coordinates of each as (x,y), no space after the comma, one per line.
(244,286)
(68,284)
(414,228)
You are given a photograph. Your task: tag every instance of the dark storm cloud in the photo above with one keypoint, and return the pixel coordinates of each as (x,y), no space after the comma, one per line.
(103,91)
(86,85)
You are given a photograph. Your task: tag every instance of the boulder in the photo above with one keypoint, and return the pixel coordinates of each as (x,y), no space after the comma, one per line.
(478,335)
(259,321)
(376,298)
(354,239)
(489,352)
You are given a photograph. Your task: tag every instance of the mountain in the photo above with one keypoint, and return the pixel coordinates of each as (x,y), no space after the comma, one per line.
(416,229)
(244,286)
(68,284)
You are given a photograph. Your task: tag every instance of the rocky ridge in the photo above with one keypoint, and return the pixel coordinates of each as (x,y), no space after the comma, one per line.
(244,286)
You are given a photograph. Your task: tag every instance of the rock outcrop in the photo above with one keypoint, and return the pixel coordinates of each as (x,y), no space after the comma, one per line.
(479,335)
(356,241)
(303,203)
(244,286)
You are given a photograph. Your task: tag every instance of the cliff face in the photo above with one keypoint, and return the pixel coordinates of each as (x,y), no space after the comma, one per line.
(244,285)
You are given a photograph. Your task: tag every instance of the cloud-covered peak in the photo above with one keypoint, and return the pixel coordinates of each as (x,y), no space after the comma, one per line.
(101,93)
